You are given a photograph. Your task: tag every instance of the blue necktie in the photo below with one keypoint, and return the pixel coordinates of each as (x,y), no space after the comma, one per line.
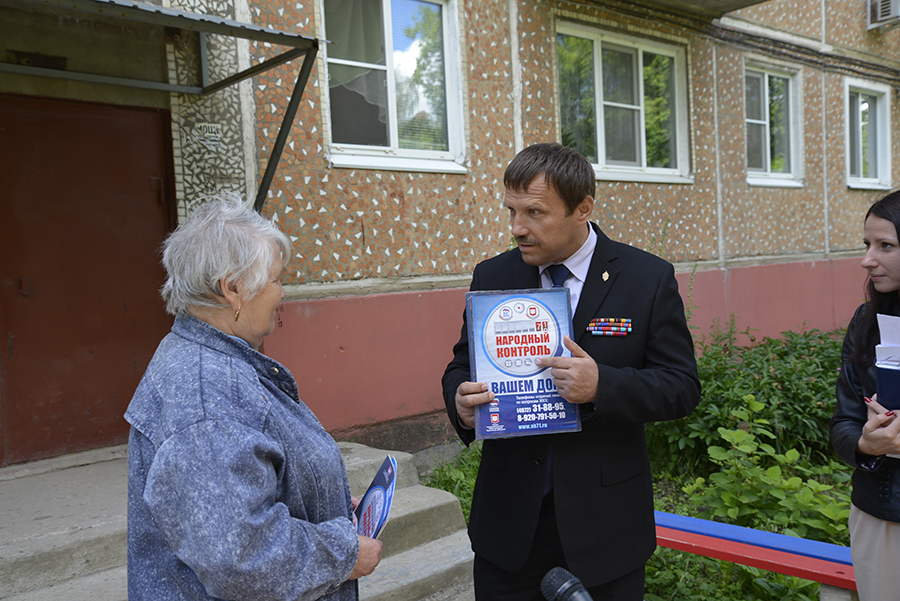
(559,274)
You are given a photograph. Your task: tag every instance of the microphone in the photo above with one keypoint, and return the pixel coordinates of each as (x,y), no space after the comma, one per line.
(560,585)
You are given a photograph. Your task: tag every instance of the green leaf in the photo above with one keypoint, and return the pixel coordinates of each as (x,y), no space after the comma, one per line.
(795,482)
(717,453)
(736,436)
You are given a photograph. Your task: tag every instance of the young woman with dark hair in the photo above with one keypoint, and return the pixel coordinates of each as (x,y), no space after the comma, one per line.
(865,434)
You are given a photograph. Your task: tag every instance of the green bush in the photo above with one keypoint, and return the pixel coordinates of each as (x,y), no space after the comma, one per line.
(679,576)
(675,576)
(757,487)
(793,377)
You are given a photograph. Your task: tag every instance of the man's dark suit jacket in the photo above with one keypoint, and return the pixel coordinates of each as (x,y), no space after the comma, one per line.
(601,475)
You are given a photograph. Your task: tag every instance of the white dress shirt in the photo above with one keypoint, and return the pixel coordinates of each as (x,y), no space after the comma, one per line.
(579,264)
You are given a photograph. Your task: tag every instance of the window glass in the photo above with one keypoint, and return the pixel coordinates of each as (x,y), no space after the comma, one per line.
(418,59)
(355,30)
(853,126)
(621,127)
(619,80)
(756,157)
(756,122)
(359,106)
(623,103)
(387,74)
(659,109)
(754,95)
(576,94)
(768,105)
(868,127)
(863,135)
(779,118)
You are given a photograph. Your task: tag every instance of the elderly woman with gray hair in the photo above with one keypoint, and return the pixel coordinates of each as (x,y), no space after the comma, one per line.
(235,491)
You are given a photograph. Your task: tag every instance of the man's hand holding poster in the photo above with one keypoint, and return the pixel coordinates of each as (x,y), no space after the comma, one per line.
(508,331)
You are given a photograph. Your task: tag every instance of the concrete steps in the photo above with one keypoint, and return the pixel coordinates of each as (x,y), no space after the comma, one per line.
(108,585)
(422,571)
(63,531)
(426,548)
(60,522)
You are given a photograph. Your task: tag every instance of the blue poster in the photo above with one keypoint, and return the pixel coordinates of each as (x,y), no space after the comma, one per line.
(508,331)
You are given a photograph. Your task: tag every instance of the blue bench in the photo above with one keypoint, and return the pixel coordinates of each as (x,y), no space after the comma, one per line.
(822,562)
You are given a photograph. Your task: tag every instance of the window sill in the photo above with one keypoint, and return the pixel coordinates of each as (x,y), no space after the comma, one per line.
(642,177)
(867,185)
(355,161)
(774,182)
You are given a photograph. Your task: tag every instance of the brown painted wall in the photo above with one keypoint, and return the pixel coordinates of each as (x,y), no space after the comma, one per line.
(770,299)
(366,359)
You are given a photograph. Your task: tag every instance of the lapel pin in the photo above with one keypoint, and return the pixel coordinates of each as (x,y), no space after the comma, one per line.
(605,275)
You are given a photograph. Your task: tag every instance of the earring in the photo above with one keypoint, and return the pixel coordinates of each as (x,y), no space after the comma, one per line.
(236,313)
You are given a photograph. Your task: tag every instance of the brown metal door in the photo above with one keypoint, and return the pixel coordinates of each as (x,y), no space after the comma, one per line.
(83,211)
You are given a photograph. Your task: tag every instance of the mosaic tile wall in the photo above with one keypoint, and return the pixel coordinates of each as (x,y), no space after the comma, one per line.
(356,224)
(844,24)
(677,221)
(848,206)
(206,131)
(761,220)
(799,17)
(352,224)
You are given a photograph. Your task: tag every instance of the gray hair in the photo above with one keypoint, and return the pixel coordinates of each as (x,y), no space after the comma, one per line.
(223,237)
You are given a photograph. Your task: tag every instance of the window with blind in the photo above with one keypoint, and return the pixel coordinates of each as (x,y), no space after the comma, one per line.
(391,84)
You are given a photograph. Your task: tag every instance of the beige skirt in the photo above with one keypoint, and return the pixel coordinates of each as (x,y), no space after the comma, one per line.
(875,548)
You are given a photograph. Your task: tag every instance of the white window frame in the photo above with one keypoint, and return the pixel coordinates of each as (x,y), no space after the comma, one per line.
(794,178)
(394,158)
(681,174)
(882,93)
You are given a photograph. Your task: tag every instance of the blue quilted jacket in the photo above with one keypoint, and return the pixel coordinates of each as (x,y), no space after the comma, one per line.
(235,491)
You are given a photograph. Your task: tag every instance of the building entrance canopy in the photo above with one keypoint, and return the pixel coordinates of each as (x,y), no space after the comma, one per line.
(202,25)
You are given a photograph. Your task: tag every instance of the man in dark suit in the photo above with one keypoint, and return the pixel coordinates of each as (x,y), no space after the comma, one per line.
(578,500)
